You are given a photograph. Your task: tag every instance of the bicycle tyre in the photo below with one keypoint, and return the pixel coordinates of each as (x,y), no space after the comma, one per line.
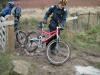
(51,58)
(21,40)
(31,46)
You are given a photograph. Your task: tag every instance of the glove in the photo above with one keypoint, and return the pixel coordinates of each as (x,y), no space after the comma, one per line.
(40,25)
(45,21)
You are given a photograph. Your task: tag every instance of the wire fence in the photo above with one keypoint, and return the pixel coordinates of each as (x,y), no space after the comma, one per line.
(84,23)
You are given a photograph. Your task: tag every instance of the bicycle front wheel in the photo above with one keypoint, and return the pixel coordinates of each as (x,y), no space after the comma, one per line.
(58,53)
(21,37)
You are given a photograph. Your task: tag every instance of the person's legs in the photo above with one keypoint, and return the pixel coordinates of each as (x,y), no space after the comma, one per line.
(52,27)
(16,23)
(49,39)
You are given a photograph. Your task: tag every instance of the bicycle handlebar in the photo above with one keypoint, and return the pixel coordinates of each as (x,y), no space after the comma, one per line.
(41,25)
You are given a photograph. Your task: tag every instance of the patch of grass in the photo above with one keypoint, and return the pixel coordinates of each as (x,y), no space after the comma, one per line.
(5,64)
(88,40)
(97,65)
(29,24)
(32,69)
(96,29)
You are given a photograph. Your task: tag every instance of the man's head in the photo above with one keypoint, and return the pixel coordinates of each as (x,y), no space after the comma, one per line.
(62,3)
(11,4)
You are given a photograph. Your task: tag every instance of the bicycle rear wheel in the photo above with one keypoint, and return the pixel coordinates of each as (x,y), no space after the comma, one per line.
(21,37)
(31,45)
(60,56)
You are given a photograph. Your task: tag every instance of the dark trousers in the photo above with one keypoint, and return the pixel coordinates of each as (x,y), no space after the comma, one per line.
(16,23)
(52,27)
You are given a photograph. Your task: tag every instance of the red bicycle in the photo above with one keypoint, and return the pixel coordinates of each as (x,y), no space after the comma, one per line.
(57,55)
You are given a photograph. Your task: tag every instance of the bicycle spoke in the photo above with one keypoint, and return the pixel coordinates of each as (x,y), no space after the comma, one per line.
(21,37)
(60,54)
(31,43)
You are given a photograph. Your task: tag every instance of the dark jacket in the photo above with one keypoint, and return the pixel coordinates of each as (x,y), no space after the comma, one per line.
(6,11)
(58,14)
(17,11)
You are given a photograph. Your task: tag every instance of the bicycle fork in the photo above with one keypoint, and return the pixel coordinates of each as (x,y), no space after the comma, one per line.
(57,41)
(39,39)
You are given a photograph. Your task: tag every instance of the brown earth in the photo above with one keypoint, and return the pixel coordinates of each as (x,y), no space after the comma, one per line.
(47,3)
(78,57)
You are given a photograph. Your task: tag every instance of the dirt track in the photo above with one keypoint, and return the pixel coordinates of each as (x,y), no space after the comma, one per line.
(78,57)
(46,3)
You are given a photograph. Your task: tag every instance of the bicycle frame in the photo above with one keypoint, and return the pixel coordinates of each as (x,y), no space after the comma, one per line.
(51,34)
(54,47)
(40,39)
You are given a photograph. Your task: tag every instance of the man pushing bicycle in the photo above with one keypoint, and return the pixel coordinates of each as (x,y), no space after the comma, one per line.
(59,14)
(57,50)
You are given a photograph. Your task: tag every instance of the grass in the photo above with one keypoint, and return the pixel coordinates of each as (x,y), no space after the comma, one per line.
(97,65)
(32,69)
(85,43)
(28,24)
(5,63)
(87,40)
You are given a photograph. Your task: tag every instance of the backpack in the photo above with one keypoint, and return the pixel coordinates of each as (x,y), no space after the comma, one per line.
(18,12)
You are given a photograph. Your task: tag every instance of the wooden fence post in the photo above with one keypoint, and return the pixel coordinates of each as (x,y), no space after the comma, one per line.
(88,24)
(10,36)
(98,18)
(7,40)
